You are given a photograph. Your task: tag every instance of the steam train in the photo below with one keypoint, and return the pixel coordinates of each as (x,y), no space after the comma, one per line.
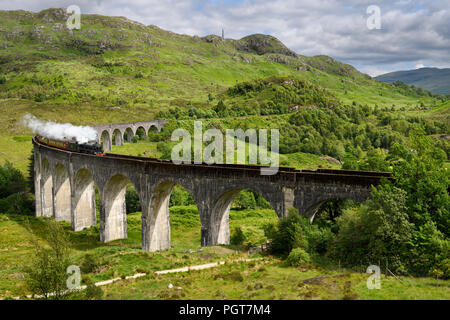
(91,147)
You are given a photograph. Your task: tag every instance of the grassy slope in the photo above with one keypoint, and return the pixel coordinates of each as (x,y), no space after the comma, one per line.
(171,69)
(56,76)
(16,149)
(268,279)
(121,257)
(298,160)
(440,113)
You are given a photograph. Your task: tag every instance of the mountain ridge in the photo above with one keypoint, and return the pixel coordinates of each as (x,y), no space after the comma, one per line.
(259,44)
(436,80)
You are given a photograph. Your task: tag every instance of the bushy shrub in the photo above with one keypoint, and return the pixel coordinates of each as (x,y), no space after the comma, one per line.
(132,200)
(141,134)
(244,200)
(297,257)
(11,180)
(261,202)
(442,269)
(47,272)
(407,221)
(287,234)
(93,292)
(4,206)
(180,197)
(238,237)
(14,196)
(378,230)
(220,108)
(89,264)
(184,210)
(165,149)
(296,231)
(319,239)
(419,169)
(18,204)
(429,247)
(232,276)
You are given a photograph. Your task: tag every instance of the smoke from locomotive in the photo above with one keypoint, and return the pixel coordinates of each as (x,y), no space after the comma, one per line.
(60,131)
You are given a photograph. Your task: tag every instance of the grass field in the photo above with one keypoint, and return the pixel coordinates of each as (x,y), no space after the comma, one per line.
(17,150)
(439,113)
(298,160)
(269,278)
(121,257)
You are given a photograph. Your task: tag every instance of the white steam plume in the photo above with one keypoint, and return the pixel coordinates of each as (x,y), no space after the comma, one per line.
(60,131)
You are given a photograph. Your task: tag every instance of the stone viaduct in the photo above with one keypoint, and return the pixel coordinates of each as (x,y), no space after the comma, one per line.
(65,189)
(119,131)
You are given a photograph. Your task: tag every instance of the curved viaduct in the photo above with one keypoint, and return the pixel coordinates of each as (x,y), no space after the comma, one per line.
(65,189)
(107,132)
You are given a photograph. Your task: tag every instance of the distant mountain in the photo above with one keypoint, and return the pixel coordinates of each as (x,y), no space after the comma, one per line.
(432,79)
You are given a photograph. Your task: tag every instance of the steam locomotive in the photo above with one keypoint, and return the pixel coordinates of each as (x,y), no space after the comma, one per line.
(91,147)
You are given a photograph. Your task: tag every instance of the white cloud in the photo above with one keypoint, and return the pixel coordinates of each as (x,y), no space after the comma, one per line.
(374,71)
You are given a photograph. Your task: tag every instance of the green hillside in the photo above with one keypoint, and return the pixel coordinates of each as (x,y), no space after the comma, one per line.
(433,79)
(114,69)
(328,115)
(118,70)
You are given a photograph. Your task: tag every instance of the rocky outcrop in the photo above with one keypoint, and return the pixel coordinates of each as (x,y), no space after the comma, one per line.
(262,44)
(212,38)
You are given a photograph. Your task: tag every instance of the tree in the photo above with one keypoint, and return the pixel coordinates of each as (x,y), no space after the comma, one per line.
(287,234)
(14,195)
(244,200)
(297,257)
(220,108)
(238,237)
(180,197)
(31,172)
(132,200)
(420,171)
(46,275)
(375,161)
(378,230)
(386,219)
(11,180)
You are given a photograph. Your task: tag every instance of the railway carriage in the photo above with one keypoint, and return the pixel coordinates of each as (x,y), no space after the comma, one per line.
(91,147)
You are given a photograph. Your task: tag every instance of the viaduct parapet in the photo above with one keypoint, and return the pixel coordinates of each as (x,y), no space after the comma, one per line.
(124,131)
(65,189)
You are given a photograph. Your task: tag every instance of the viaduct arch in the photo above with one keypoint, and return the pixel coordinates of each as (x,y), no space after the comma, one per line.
(117,131)
(64,183)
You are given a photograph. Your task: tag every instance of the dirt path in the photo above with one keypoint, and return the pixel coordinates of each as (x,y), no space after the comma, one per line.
(140,275)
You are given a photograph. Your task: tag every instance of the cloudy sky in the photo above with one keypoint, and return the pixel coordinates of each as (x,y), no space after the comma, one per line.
(413,33)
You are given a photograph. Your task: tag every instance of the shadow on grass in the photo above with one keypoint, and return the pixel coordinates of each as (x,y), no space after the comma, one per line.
(83,240)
